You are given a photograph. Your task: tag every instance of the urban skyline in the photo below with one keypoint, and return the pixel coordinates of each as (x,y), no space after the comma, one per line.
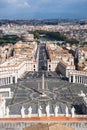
(43,73)
(43,9)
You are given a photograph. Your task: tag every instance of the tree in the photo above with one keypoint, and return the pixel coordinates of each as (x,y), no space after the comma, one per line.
(36,35)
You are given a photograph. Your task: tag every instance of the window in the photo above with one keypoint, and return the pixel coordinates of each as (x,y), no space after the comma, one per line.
(72,79)
(49,66)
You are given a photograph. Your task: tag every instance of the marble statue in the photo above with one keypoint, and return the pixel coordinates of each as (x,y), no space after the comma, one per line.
(2,106)
(22,112)
(7,111)
(48,110)
(67,111)
(30,111)
(82,94)
(73,111)
(39,111)
(56,110)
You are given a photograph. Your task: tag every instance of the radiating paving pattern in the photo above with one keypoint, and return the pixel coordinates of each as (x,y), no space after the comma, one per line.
(28,92)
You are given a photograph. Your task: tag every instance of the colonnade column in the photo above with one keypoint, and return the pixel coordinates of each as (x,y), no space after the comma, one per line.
(6,79)
(77,79)
(11,81)
(81,80)
(70,78)
(3,81)
(15,79)
(73,78)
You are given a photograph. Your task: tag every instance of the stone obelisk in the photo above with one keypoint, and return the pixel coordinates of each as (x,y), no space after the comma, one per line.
(43,86)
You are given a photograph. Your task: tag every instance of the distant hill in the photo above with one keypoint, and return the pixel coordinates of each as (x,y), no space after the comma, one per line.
(44,21)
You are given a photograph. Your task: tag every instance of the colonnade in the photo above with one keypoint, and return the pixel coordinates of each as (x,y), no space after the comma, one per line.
(82,79)
(9,79)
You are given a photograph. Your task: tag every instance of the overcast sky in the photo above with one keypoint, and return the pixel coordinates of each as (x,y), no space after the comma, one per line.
(41,9)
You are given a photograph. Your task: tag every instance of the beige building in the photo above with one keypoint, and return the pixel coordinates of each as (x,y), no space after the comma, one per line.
(5,52)
(60,59)
(52,65)
(22,61)
(27,37)
(15,68)
(65,68)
